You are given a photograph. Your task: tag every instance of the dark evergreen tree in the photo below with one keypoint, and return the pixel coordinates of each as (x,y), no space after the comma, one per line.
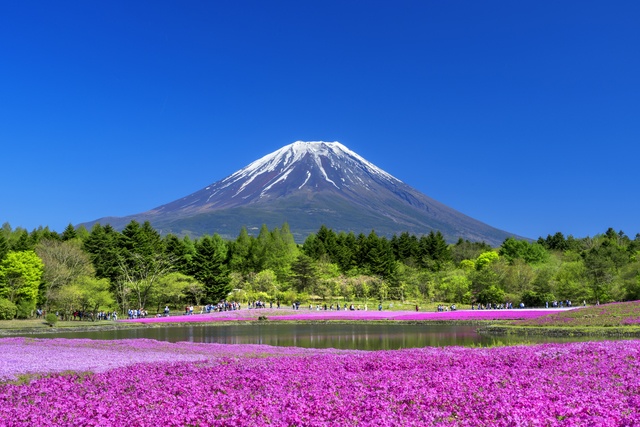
(142,240)
(557,242)
(104,248)
(178,253)
(239,251)
(35,237)
(433,251)
(304,273)
(22,243)
(328,238)
(313,247)
(406,248)
(69,233)
(209,267)
(380,259)
(362,250)
(346,250)
(4,246)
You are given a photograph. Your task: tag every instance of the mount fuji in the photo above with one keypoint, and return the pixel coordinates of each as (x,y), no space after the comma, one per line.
(308,184)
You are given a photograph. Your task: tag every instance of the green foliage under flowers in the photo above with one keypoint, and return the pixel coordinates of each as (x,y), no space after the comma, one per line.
(7,309)
(51,319)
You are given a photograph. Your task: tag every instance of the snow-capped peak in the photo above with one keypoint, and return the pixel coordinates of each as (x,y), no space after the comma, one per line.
(320,152)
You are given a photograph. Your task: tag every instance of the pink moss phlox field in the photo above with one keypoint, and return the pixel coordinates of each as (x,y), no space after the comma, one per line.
(577,384)
(44,356)
(322,315)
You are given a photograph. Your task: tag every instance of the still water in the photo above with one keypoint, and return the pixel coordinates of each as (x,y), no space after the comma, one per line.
(360,336)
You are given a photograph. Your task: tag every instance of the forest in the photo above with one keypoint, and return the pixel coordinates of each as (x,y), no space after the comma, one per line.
(103,269)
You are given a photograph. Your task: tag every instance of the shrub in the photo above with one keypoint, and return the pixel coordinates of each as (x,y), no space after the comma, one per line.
(51,319)
(8,309)
(25,309)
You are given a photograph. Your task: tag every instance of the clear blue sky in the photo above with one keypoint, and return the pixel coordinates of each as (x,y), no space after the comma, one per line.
(522,114)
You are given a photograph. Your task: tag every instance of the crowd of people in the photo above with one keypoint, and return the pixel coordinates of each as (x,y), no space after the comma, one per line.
(259,304)
(493,306)
(139,313)
(561,304)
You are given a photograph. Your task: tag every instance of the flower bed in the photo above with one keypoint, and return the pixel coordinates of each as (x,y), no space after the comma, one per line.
(245,385)
(322,315)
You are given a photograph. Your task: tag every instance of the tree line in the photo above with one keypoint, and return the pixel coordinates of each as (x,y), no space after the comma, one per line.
(103,269)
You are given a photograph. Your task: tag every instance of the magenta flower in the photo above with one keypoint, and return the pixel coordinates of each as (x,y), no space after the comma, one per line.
(591,383)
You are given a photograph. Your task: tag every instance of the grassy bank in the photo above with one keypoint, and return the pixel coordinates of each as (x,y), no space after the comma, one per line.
(614,319)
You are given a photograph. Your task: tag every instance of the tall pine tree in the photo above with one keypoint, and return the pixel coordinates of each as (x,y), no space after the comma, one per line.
(209,267)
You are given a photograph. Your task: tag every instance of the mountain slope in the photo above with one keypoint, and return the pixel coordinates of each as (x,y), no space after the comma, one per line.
(308,184)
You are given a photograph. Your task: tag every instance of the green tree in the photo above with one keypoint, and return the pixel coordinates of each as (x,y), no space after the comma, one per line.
(209,267)
(69,233)
(265,281)
(380,260)
(557,242)
(20,276)
(601,266)
(483,279)
(464,249)
(304,273)
(571,278)
(329,241)
(313,247)
(239,252)
(179,252)
(280,252)
(93,295)
(406,248)
(22,243)
(345,252)
(543,284)
(4,246)
(174,287)
(142,261)
(8,310)
(485,259)
(455,288)
(491,295)
(434,252)
(103,246)
(518,277)
(64,262)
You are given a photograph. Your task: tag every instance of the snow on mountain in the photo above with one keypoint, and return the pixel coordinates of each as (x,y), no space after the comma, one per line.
(286,159)
(301,166)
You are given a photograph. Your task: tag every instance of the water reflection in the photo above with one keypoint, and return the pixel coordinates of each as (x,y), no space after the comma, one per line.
(359,336)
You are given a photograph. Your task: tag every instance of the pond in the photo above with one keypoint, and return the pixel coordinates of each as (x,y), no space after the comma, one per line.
(361,336)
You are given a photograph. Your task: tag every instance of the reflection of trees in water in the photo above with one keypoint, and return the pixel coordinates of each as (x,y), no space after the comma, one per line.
(340,336)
